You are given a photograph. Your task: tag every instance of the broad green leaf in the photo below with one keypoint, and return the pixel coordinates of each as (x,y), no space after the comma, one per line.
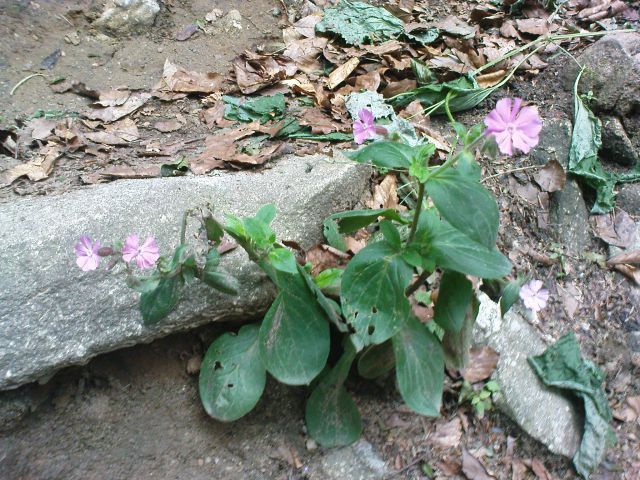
(266,213)
(390,155)
(294,333)
(215,230)
(419,367)
(453,250)
(466,205)
(422,72)
(330,308)
(158,303)
(372,294)
(510,295)
(358,22)
(262,108)
(454,297)
(331,415)
(376,360)
(353,220)
(331,233)
(219,280)
(232,376)
(322,137)
(456,345)
(283,259)
(329,280)
(391,234)
(143,284)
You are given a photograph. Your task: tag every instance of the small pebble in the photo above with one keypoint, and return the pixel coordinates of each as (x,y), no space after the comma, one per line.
(276,12)
(311,444)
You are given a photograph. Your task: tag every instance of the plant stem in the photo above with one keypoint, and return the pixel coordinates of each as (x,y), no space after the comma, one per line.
(183,230)
(416,285)
(416,215)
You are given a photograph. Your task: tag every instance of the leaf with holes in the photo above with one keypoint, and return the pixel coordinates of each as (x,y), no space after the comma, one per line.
(419,367)
(232,376)
(332,416)
(373,299)
(466,205)
(294,335)
(454,296)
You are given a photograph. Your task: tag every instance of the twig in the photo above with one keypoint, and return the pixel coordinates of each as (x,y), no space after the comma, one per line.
(506,172)
(417,284)
(13,90)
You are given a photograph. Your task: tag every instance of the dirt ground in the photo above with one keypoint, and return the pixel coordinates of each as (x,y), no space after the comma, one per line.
(135,413)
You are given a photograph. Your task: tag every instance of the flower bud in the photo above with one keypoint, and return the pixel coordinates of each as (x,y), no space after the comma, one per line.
(105,251)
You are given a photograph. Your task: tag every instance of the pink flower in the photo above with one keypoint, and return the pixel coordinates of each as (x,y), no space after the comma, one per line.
(513,127)
(87,253)
(145,256)
(364,128)
(534,295)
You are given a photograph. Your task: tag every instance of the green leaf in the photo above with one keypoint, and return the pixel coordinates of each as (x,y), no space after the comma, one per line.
(376,360)
(358,22)
(353,220)
(372,294)
(419,367)
(391,234)
(322,137)
(175,169)
(456,345)
(266,213)
(294,333)
(259,108)
(331,233)
(419,163)
(331,415)
(214,229)
(453,250)
(510,295)
(283,259)
(222,282)
(330,280)
(422,72)
(562,366)
(232,376)
(423,36)
(330,308)
(390,155)
(158,303)
(466,205)
(454,298)
(143,284)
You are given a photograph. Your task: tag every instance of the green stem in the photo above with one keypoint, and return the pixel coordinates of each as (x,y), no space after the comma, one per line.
(416,215)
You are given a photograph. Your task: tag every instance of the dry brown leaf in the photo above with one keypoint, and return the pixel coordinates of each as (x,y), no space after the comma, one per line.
(447,434)
(616,228)
(528,191)
(118,133)
(390,46)
(551,177)
(539,469)
(306,26)
(602,9)
(41,128)
(127,171)
(113,113)
(472,468)
(399,86)
(357,241)
(508,29)
(456,27)
(632,273)
(76,87)
(255,72)
(166,126)
(482,362)
(180,80)
(112,98)
(307,53)
(630,411)
(571,297)
(625,257)
(490,79)
(385,194)
(340,74)
(518,470)
(35,170)
(186,32)
(320,122)
(322,258)
(449,466)
(533,26)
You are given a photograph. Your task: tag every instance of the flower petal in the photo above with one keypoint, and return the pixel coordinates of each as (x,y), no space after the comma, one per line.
(503,139)
(366,116)
(503,109)
(131,248)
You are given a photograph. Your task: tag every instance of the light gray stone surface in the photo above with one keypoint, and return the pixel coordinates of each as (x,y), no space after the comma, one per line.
(568,212)
(128,16)
(355,462)
(545,414)
(54,315)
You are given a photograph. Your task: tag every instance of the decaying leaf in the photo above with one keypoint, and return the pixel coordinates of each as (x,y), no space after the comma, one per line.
(533,26)
(35,170)
(456,27)
(385,194)
(482,361)
(127,171)
(307,53)
(112,113)
(323,257)
(551,177)
(472,468)
(616,228)
(254,71)
(41,128)
(447,434)
(118,133)
(539,469)
(178,79)
(625,257)
(342,72)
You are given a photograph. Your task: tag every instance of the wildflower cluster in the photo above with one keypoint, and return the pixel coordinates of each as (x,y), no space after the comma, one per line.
(88,252)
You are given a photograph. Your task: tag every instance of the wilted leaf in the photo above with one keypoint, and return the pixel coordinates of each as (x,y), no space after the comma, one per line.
(37,169)
(110,114)
(616,228)
(342,72)
(254,71)
(447,434)
(482,362)
(118,133)
(385,194)
(551,177)
(472,468)
(178,79)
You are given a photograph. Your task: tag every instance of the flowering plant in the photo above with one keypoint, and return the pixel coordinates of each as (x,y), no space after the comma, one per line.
(438,245)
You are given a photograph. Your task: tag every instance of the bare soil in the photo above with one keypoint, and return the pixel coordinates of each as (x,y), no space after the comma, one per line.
(135,413)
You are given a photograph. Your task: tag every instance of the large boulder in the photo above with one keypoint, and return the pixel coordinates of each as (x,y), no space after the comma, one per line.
(128,16)
(54,315)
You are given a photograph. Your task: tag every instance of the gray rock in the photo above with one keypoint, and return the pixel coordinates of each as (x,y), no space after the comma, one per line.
(545,414)
(355,462)
(54,315)
(128,16)
(616,146)
(628,198)
(634,341)
(568,212)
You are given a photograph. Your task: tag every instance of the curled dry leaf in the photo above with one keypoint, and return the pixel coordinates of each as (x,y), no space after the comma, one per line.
(539,469)
(126,171)
(533,26)
(385,194)
(178,79)
(255,72)
(35,170)
(472,468)
(632,273)
(118,133)
(113,113)
(551,177)
(625,257)
(447,434)
(306,53)
(616,228)
(599,9)
(482,362)
(41,128)
(340,74)
(490,79)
